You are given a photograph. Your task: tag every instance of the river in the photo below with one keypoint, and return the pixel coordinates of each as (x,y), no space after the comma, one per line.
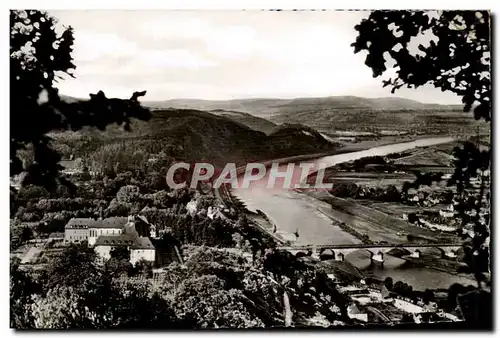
(293,212)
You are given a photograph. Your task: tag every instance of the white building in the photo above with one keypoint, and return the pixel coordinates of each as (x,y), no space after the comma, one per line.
(115,232)
(105,243)
(407,306)
(77,230)
(355,313)
(112,226)
(446,214)
(142,249)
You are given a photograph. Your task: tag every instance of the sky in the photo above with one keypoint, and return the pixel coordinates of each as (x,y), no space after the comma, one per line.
(219,55)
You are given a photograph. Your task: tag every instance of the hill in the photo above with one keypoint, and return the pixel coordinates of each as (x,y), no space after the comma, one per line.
(258,107)
(191,136)
(381,116)
(254,122)
(273,106)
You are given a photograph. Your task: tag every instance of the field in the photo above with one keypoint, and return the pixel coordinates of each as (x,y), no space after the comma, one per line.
(395,209)
(367,179)
(425,157)
(379,226)
(376,121)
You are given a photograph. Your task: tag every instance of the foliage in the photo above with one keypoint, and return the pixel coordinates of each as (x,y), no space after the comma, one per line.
(388,282)
(207,303)
(118,267)
(63,307)
(457,58)
(136,308)
(22,287)
(75,266)
(403,289)
(39,55)
(120,253)
(19,234)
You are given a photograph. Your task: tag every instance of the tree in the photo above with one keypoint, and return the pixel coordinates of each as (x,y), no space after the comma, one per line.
(412,218)
(135,308)
(453,291)
(144,268)
(388,283)
(118,267)
(457,59)
(63,307)
(22,288)
(39,56)
(207,303)
(75,266)
(120,253)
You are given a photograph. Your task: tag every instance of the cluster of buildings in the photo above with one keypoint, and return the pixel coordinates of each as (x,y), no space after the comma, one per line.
(104,235)
(371,304)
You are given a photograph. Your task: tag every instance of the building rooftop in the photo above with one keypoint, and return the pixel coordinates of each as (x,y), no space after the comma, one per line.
(353,309)
(117,240)
(143,243)
(111,223)
(385,293)
(80,223)
(143,218)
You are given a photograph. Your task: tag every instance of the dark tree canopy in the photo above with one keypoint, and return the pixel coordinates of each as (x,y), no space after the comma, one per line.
(39,56)
(457,59)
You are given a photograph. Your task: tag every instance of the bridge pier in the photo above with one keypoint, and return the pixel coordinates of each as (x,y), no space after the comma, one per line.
(377,259)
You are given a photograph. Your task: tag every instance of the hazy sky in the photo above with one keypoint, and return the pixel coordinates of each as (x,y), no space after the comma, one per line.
(222,55)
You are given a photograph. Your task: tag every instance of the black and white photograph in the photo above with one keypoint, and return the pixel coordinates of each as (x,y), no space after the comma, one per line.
(250,169)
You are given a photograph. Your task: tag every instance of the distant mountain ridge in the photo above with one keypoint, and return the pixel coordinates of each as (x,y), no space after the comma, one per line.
(267,107)
(272,106)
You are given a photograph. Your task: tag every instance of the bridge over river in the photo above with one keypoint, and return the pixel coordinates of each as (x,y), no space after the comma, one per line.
(339,251)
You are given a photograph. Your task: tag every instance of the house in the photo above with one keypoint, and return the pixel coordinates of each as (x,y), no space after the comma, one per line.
(446,214)
(354,313)
(386,295)
(112,226)
(139,247)
(105,243)
(142,249)
(406,305)
(339,257)
(431,307)
(77,230)
(129,232)
(416,254)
